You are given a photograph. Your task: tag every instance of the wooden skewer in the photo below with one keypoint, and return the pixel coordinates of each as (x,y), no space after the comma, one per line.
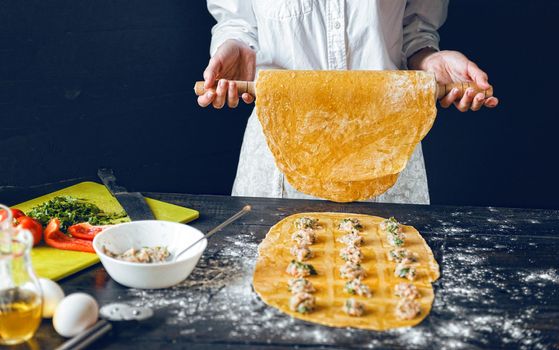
(242,87)
(442,90)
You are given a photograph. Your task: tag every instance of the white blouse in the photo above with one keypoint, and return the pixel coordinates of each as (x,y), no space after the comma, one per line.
(328,35)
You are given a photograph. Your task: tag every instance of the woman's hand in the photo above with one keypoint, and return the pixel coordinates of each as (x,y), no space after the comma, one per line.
(233,60)
(451,67)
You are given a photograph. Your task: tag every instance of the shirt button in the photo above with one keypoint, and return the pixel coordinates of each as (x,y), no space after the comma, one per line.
(337,25)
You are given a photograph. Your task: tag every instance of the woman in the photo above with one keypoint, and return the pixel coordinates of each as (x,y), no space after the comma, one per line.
(329,35)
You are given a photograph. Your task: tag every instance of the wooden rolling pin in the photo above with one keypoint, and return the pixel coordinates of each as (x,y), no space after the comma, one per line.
(442,90)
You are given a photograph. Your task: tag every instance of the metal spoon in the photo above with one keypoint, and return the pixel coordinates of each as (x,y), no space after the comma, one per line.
(218,228)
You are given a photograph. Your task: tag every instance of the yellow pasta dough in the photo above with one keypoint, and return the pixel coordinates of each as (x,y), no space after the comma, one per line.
(270,280)
(342,191)
(340,127)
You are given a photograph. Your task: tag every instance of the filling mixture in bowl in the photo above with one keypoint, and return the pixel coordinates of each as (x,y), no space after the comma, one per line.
(142,255)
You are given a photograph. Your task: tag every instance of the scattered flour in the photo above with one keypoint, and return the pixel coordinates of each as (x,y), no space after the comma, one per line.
(549,275)
(450,227)
(219,293)
(455,230)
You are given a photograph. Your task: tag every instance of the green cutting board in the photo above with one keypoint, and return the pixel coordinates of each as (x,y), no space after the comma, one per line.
(56,263)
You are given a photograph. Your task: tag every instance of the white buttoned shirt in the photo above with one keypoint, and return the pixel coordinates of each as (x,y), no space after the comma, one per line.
(325,35)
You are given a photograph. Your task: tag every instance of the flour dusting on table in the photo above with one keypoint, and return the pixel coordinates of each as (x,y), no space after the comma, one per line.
(465,313)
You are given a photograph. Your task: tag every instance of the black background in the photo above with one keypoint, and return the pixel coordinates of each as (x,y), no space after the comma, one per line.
(85,84)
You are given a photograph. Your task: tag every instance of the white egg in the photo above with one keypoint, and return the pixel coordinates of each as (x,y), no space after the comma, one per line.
(52,294)
(74,314)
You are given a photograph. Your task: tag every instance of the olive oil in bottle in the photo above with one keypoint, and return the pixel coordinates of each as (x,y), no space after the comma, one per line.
(20,292)
(20,315)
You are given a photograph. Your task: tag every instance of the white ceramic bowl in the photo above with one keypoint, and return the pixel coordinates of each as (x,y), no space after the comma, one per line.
(149,233)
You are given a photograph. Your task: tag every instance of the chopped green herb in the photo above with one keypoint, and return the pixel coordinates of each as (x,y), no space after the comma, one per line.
(349,287)
(354,223)
(306,223)
(391,225)
(70,210)
(397,240)
(403,272)
(308,267)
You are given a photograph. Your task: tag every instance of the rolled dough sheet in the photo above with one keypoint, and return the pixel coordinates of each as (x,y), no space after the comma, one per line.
(337,191)
(270,280)
(337,127)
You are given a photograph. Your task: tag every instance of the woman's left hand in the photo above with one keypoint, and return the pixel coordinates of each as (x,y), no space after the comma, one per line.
(452,67)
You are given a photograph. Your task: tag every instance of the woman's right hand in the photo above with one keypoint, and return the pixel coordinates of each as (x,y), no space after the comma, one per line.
(233,60)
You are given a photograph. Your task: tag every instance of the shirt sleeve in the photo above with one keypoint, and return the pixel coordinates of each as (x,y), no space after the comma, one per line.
(235,20)
(422,19)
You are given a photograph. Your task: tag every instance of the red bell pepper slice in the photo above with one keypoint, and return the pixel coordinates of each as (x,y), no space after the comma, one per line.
(85,230)
(57,239)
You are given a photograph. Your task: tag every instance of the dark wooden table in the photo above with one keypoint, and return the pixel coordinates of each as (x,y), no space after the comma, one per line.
(499,286)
